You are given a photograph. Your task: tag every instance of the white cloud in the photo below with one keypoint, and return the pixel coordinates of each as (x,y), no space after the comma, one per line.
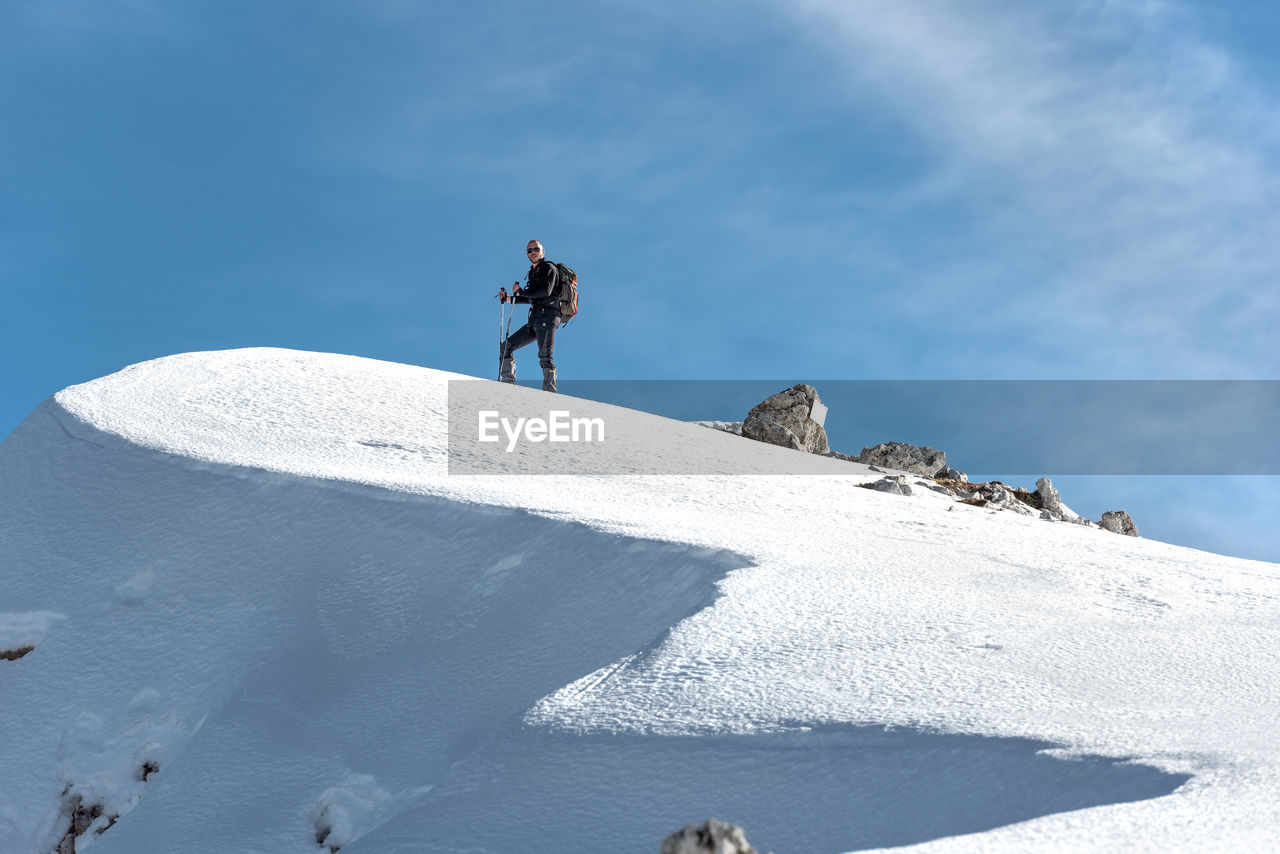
(1131,154)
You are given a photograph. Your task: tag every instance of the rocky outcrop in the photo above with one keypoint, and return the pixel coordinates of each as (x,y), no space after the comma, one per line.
(996,495)
(734,427)
(1050,499)
(929,462)
(1119,522)
(1002,498)
(1052,507)
(940,488)
(788,419)
(712,837)
(795,417)
(894,484)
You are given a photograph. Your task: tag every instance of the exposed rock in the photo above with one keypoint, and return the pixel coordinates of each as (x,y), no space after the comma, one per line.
(1051,501)
(938,487)
(15,654)
(734,427)
(1045,503)
(894,484)
(1004,499)
(786,419)
(1119,522)
(81,818)
(903,457)
(794,417)
(713,837)
(1028,498)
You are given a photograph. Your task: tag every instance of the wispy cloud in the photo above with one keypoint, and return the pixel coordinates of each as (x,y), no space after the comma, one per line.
(1085,189)
(1130,154)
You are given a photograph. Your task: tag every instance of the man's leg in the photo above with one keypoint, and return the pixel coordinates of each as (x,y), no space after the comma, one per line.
(545,328)
(506,354)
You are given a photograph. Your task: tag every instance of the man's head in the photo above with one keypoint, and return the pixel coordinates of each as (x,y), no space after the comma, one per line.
(534,251)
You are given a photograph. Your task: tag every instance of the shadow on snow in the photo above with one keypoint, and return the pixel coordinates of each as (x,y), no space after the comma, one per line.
(827,790)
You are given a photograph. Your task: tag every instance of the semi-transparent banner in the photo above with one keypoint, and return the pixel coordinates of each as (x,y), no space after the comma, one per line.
(1014,427)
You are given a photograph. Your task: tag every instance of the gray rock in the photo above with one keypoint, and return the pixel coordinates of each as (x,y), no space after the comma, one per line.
(903,457)
(953,474)
(713,837)
(939,488)
(1003,499)
(894,484)
(1052,502)
(734,427)
(784,419)
(1119,522)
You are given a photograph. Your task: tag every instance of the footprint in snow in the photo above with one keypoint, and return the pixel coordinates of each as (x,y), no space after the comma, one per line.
(348,811)
(21,633)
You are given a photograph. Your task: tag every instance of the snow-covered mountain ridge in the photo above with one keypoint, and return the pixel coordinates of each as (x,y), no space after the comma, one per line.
(251,572)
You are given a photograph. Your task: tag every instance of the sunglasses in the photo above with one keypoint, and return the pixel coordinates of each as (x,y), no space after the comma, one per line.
(532,250)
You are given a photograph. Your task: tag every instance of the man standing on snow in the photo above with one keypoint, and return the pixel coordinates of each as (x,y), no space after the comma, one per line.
(543,296)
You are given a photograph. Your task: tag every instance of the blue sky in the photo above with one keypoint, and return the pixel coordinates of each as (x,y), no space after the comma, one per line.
(804,190)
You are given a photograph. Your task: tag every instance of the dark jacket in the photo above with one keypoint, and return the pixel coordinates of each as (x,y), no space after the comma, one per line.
(543,287)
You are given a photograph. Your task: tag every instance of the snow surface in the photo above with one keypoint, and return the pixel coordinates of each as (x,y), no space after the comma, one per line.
(266,619)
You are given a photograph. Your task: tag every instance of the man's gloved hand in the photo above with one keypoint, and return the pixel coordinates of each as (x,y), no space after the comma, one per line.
(502,295)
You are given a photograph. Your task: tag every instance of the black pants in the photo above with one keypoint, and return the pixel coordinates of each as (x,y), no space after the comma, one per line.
(541,328)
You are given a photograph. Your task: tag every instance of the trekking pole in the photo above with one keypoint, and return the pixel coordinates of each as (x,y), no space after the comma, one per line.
(515,286)
(501,297)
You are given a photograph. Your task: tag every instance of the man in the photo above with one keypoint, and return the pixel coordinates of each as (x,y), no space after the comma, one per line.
(543,296)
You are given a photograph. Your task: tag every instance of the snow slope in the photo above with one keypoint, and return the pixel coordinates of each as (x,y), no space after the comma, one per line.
(265,618)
